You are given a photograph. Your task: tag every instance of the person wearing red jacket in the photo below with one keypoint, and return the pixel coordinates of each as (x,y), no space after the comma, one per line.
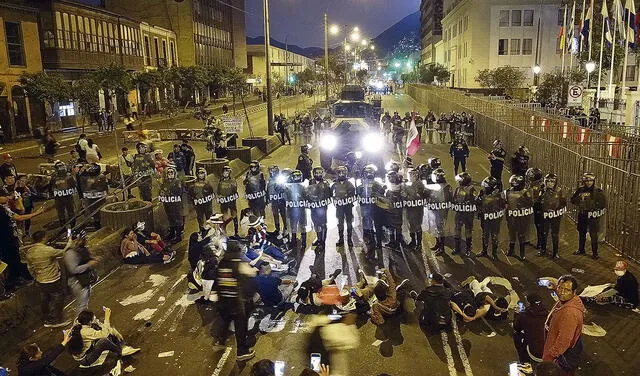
(563,344)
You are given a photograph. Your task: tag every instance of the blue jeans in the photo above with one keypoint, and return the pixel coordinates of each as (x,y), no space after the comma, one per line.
(82,294)
(270,250)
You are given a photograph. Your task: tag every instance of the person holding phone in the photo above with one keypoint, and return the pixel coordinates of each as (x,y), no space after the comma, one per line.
(528,329)
(34,362)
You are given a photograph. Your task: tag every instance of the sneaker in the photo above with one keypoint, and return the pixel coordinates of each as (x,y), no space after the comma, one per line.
(128,350)
(362,277)
(335,273)
(53,324)
(579,252)
(413,294)
(467,281)
(241,357)
(402,284)
(636,310)
(117,370)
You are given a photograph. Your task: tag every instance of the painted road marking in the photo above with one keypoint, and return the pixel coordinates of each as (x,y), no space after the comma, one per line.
(221,362)
(461,350)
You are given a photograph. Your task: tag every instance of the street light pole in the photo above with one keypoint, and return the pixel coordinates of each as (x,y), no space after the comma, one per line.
(267,47)
(326,59)
(345,59)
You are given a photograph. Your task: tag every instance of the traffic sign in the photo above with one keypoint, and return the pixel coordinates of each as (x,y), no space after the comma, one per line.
(232,124)
(574,97)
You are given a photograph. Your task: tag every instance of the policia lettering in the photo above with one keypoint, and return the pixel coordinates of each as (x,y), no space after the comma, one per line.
(591,204)
(275,196)
(519,212)
(255,189)
(344,195)
(368,192)
(414,195)
(227,195)
(63,188)
(170,196)
(464,198)
(143,168)
(491,211)
(319,194)
(296,203)
(202,196)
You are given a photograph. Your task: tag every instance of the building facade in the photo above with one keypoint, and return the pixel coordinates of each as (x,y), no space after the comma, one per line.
(207,32)
(430,28)
(486,34)
(19,40)
(284,64)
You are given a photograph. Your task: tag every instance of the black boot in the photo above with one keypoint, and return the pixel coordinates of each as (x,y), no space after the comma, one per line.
(512,247)
(456,246)
(468,251)
(582,239)
(413,243)
(340,242)
(440,249)
(178,233)
(349,237)
(494,252)
(170,233)
(419,241)
(303,239)
(522,256)
(594,249)
(484,250)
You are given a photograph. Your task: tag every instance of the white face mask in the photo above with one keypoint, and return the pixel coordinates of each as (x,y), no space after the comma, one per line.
(619,273)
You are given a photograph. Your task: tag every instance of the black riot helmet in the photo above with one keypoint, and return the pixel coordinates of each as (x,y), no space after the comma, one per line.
(394,177)
(341,173)
(171,172)
(60,167)
(551,180)
(438,176)
(414,174)
(201,173)
(434,163)
(304,149)
(351,157)
(534,174)
(226,172)
(92,170)
(459,136)
(497,143)
(393,166)
(516,181)
(286,175)
(369,171)
(490,184)
(318,173)
(296,176)
(254,167)
(273,171)
(522,150)
(588,177)
(141,147)
(464,179)
(424,171)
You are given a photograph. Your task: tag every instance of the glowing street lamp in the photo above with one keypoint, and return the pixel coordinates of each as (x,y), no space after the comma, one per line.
(355,36)
(536,69)
(356,29)
(347,47)
(334,29)
(364,42)
(372,47)
(396,64)
(590,67)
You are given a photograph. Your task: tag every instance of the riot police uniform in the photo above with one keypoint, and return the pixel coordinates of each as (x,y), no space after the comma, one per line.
(62,189)
(440,196)
(534,185)
(94,191)
(296,203)
(344,195)
(255,189)
(368,192)
(520,161)
(143,168)
(592,206)
(201,193)
(275,197)
(227,196)
(319,197)
(496,159)
(419,121)
(519,213)
(170,196)
(427,169)
(553,203)
(414,195)
(491,210)
(305,163)
(464,205)
(459,152)
(393,196)
(430,121)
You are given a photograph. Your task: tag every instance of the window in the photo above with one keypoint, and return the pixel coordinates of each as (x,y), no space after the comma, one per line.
(631,73)
(164,49)
(527,47)
(503,46)
(173,54)
(528,18)
(515,46)
(504,18)
(516,17)
(466,23)
(561,17)
(147,50)
(156,49)
(74,32)
(466,49)
(14,43)
(455,31)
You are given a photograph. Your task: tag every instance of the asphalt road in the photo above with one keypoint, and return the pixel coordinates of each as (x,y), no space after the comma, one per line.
(152,309)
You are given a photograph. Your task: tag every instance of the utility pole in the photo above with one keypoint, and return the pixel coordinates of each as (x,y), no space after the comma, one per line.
(326,59)
(267,47)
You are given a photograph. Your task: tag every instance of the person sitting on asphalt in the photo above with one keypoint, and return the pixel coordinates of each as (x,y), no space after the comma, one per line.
(475,300)
(623,293)
(528,329)
(33,362)
(90,337)
(385,290)
(134,252)
(318,292)
(152,241)
(270,288)
(435,298)
(260,250)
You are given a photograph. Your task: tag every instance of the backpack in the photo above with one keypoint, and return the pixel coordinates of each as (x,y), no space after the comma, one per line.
(437,312)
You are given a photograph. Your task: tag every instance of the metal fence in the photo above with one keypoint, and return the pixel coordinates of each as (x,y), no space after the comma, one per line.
(559,146)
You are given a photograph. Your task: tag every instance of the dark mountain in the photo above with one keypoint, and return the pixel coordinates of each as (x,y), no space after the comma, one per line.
(389,38)
(311,52)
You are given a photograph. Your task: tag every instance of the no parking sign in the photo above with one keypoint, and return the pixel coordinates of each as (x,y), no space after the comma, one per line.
(574,97)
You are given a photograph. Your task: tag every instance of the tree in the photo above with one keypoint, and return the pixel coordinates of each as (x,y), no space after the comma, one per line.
(85,92)
(146,81)
(48,88)
(236,82)
(554,86)
(361,76)
(114,79)
(507,78)
(433,72)
(307,77)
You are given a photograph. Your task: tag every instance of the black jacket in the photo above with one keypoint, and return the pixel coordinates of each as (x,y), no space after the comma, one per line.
(627,287)
(436,304)
(529,325)
(42,367)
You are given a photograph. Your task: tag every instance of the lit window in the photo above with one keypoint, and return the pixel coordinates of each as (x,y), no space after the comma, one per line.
(503,46)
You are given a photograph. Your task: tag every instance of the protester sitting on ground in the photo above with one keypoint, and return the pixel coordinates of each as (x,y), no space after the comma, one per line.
(90,337)
(269,287)
(385,290)
(152,241)
(264,367)
(475,300)
(320,292)
(208,267)
(243,229)
(258,238)
(33,362)
(547,369)
(135,253)
(436,311)
(623,293)
(528,329)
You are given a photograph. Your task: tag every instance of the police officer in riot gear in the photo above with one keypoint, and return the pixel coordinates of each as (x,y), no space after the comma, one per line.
(393,166)
(491,208)
(464,205)
(143,168)
(534,184)
(62,189)
(414,195)
(430,124)
(440,196)
(520,161)
(368,192)
(459,151)
(344,195)
(170,196)
(592,205)
(432,165)
(94,191)
(519,212)
(394,213)
(296,201)
(255,189)
(553,203)
(496,159)
(275,197)
(319,197)
(305,164)
(201,193)
(227,195)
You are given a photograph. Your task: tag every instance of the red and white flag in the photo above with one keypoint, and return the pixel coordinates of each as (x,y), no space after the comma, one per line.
(583,135)
(566,130)
(615,146)
(413,139)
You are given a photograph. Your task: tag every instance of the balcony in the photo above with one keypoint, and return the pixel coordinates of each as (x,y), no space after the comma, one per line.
(55,58)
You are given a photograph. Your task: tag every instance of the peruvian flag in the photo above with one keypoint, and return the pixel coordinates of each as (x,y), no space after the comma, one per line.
(615,146)
(566,130)
(413,141)
(544,125)
(583,135)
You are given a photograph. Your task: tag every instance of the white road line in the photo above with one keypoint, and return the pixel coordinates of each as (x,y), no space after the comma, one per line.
(221,362)
(447,351)
(461,350)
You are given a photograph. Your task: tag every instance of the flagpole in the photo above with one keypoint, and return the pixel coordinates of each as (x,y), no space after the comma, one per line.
(601,52)
(624,65)
(591,25)
(563,37)
(573,30)
(584,4)
(613,55)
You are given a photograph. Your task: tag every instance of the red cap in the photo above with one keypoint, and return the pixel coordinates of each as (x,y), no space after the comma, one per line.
(621,265)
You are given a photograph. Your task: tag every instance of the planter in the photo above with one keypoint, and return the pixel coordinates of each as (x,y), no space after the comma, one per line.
(126,214)
(213,166)
(258,142)
(242,153)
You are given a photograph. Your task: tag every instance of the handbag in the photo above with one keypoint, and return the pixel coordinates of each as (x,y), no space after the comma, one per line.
(87,278)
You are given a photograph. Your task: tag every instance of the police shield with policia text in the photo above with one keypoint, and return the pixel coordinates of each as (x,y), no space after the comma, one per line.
(170,195)
(227,196)
(296,202)
(369,190)
(553,202)
(319,196)
(464,206)
(275,198)
(591,204)
(491,211)
(519,213)
(202,195)
(344,195)
(438,205)
(63,189)
(255,189)
(414,195)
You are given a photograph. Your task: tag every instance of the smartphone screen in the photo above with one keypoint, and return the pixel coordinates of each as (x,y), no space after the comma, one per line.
(68,232)
(520,307)
(315,361)
(513,369)
(279,368)
(543,282)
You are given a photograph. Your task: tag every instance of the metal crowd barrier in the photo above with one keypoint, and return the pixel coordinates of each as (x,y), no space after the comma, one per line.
(559,146)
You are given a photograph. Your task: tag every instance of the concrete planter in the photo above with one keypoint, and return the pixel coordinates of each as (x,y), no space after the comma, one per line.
(242,153)
(126,214)
(213,166)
